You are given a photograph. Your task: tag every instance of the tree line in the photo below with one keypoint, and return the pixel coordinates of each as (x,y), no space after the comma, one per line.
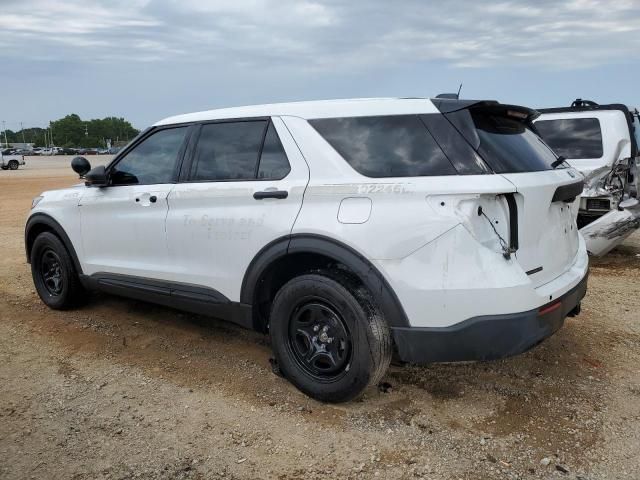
(71,131)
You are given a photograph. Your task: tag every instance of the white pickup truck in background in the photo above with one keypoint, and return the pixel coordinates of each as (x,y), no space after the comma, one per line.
(601,141)
(11,162)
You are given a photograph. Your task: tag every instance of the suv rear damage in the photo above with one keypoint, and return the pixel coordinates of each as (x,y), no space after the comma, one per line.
(601,141)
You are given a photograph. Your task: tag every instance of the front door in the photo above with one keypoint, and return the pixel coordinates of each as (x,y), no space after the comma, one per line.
(244,190)
(123,224)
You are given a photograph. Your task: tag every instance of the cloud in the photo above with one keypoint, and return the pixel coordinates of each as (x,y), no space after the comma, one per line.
(322,35)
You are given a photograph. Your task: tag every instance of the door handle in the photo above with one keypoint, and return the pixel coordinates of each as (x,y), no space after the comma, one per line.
(280,194)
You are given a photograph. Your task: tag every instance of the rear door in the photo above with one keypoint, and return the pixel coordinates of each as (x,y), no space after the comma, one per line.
(243,189)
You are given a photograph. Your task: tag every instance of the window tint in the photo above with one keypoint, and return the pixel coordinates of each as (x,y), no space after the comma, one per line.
(572,138)
(390,146)
(509,145)
(458,151)
(228,151)
(151,161)
(273,161)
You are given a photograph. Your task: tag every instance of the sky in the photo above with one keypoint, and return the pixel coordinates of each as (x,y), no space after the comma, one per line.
(148,59)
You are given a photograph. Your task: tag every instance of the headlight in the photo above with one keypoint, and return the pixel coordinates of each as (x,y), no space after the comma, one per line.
(35,201)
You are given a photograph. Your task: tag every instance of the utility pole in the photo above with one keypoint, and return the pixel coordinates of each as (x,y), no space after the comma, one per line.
(4,129)
(22,130)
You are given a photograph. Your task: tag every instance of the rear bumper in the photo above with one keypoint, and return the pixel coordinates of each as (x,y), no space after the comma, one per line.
(487,337)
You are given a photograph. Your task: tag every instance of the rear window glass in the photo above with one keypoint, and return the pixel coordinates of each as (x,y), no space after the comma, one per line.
(388,146)
(509,145)
(573,137)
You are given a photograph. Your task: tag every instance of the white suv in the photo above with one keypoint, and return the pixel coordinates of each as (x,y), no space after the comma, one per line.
(441,230)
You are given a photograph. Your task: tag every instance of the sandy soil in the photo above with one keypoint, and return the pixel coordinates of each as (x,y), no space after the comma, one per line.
(123,389)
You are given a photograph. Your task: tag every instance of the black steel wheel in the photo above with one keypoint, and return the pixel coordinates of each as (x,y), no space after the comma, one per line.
(328,337)
(53,272)
(13,165)
(319,339)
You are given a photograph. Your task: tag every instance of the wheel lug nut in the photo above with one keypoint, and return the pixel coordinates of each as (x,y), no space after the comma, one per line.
(316,328)
(325,328)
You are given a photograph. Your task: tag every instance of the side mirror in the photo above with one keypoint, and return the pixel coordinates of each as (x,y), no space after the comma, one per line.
(97,177)
(81,166)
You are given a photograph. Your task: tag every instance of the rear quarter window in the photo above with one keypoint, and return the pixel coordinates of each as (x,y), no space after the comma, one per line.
(573,137)
(385,146)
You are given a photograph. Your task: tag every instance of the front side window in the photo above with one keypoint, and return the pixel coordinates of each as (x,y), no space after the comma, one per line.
(572,137)
(152,161)
(388,146)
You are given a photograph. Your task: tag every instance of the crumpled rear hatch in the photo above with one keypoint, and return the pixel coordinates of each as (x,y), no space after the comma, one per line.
(547,235)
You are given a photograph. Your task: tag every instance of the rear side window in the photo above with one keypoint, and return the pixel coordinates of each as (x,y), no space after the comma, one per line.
(573,137)
(239,151)
(389,146)
(509,145)
(273,161)
(228,151)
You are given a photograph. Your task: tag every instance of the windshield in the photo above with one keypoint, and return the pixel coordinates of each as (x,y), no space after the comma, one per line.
(509,145)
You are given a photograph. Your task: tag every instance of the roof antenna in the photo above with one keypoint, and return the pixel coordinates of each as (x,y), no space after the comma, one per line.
(459,90)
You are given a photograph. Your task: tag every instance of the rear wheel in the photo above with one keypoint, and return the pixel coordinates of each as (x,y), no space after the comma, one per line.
(328,338)
(54,276)
(13,165)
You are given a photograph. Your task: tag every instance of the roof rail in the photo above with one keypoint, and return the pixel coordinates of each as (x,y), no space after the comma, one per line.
(580,103)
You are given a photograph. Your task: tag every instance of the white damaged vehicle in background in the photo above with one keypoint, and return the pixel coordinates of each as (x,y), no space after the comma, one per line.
(601,141)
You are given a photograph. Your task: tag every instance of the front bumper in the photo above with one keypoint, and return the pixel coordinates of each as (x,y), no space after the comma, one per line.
(488,337)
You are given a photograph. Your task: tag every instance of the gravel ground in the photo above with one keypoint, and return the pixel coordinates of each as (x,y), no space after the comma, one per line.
(122,389)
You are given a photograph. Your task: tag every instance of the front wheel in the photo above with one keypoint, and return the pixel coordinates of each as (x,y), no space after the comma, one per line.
(13,165)
(54,275)
(328,338)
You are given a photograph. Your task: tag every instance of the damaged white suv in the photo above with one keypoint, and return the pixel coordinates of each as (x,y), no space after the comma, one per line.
(441,230)
(601,141)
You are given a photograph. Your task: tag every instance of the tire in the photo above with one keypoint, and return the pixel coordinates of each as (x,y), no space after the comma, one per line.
(54,275)
(328,338)
(5,167)
(13,165)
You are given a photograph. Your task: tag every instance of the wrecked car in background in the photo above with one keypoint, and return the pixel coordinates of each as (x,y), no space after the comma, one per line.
(601,141)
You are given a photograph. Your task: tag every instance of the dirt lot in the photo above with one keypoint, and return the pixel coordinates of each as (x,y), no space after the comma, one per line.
(122,389)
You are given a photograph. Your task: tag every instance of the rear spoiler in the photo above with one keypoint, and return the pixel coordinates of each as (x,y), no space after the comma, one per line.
(447,105)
